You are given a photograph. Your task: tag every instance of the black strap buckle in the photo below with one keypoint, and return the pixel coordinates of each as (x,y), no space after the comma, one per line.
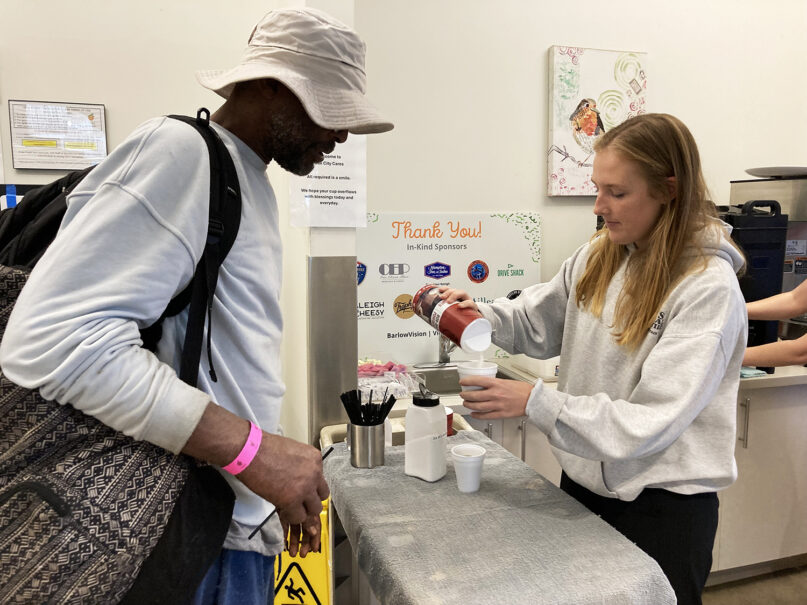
(215,230)
(203,120)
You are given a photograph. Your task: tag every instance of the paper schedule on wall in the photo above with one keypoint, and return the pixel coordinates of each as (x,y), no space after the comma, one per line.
(489,255)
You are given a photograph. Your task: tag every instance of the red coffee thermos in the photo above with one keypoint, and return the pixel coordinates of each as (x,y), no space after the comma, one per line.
(464,327)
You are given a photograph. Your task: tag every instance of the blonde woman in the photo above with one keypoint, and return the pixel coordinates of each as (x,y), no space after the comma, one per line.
(650,325)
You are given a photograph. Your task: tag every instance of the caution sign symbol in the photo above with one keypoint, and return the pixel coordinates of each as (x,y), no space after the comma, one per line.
(294,588)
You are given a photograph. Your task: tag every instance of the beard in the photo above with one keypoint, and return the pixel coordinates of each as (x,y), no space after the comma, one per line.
(291,146)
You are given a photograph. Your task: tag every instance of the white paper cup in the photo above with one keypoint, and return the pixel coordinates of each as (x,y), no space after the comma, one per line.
(468,459)
(476,368)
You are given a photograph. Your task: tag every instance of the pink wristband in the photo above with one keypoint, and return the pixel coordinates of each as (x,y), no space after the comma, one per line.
(247,453)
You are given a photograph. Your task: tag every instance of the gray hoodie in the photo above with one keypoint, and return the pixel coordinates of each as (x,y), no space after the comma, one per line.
(660,416)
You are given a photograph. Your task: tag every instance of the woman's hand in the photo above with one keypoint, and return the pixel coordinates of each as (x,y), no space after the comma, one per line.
(451,295)
(498,397)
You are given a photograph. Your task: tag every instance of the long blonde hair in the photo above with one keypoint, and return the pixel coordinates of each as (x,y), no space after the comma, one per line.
(662,147)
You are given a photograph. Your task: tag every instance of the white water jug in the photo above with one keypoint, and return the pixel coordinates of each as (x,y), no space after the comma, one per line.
(425,438)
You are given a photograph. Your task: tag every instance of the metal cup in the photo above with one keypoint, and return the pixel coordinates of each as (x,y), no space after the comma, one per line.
(366,445)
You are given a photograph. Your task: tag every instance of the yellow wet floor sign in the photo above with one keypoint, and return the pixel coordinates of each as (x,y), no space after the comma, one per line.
(305,581)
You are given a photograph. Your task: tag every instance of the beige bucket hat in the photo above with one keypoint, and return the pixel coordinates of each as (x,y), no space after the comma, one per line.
(318,58)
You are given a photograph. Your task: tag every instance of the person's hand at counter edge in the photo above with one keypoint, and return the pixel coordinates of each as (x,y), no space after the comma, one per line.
(497,398)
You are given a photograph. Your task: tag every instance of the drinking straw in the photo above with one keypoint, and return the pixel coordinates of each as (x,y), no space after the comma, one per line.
(368,413)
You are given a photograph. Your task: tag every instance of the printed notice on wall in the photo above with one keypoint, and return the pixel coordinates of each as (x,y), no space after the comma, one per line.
(334,194)
(796,247)
(56,136)
(487,255)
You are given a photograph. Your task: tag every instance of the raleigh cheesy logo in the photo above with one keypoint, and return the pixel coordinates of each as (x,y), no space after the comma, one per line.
(403,306)
(370,309)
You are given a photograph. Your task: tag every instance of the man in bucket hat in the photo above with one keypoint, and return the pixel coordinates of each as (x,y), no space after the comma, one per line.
(137,224)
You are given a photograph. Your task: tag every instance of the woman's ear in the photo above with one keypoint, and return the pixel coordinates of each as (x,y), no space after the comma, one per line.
(672,186)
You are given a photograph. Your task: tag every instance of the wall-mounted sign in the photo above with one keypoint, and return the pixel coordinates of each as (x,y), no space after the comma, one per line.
(56,136)
(334,194)
(487,255)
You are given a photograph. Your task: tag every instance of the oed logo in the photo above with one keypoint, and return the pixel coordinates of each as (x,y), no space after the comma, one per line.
(393,269)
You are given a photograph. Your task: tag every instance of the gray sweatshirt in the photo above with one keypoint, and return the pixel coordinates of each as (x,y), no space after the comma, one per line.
(660,416)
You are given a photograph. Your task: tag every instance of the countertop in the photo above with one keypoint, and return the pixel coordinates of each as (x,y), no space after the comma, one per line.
(519,539)
(784,376)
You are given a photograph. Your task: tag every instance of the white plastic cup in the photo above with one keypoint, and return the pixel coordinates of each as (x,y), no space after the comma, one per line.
(476,368)
(468,459)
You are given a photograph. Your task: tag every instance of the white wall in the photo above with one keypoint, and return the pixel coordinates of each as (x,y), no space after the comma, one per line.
(465,81)
(138,58)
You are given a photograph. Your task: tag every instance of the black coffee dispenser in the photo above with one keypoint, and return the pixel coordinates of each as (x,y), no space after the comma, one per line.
(760,230)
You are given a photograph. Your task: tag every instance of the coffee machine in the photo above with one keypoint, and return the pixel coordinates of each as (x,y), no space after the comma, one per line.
(760,229)
(785,229)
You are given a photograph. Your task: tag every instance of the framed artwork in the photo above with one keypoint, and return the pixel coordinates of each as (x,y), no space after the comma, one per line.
(590,92)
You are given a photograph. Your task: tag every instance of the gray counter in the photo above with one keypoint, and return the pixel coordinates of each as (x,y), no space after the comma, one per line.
(519,539)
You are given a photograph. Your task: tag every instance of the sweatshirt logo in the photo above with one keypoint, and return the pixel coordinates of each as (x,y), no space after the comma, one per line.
(657,326)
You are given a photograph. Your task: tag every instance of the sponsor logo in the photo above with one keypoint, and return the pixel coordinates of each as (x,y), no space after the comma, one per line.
(478,271)
(361,272)
(513,294)
(510,271)
(393,269)
(393,273)
(437,270)
(403,306)
(410,334)
(370,309)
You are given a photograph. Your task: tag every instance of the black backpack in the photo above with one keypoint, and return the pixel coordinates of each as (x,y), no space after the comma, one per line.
(87,514)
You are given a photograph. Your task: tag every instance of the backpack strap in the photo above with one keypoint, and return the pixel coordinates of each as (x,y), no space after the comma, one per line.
(224,220)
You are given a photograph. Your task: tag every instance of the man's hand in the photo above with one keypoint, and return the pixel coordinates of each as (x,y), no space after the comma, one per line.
(285,472)
(288,474)
(303,538)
